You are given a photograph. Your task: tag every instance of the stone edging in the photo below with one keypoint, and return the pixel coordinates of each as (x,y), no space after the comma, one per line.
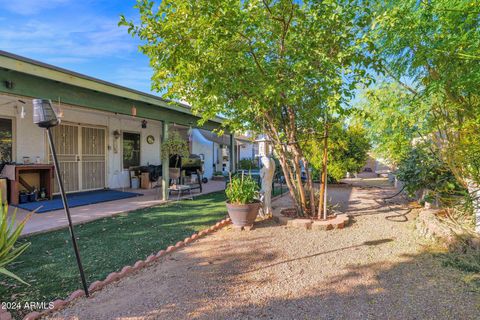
(429,226)
(115,276)
(339,222)
(5,315)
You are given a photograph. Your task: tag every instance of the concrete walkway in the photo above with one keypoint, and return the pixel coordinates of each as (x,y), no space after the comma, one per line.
(373,269)
(53,220)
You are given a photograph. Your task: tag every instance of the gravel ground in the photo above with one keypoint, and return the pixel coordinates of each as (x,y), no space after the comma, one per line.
(373,269)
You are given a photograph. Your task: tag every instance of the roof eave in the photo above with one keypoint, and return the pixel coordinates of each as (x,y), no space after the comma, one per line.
(47,71)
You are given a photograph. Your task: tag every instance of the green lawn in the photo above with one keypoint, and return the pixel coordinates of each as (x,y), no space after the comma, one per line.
(106,245)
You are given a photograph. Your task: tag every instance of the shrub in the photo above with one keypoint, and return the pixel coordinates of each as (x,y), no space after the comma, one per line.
(242,190)
(9,234)
(247,164)
(422,169)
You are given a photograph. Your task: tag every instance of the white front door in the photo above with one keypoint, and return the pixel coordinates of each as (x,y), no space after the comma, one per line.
(81,156)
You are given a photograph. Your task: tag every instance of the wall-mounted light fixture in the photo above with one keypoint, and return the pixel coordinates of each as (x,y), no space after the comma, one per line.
(116,136)
(144,124)
(21,112)
(59,109)
(9,84)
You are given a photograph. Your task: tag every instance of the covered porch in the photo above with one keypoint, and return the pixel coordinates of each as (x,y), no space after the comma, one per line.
(54,220)
(106,129)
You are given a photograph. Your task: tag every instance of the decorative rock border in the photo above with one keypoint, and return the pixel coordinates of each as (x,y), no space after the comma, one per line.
(337,222)
(429,226)
(5,315)
(115,276)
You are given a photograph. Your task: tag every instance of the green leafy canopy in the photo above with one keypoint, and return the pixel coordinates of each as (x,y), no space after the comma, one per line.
(247,60)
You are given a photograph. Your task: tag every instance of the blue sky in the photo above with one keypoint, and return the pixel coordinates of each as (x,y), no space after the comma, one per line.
(79,35)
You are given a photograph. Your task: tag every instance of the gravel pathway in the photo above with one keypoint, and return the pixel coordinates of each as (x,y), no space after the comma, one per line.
(373,269)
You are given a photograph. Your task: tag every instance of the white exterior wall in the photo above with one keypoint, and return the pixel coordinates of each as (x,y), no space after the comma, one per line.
(212,154)
(246,151)
(207,148)
(30,140)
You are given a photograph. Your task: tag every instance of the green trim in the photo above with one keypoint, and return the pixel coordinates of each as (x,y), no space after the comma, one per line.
(31,86)
(38,70)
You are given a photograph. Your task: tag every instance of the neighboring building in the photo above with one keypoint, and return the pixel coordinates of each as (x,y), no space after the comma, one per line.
(374,167)
(247,149)
(213,149)
(105,128)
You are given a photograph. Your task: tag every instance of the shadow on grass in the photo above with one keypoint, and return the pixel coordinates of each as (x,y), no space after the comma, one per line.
(106,245)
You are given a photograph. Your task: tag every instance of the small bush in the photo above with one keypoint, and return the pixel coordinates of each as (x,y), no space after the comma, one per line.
(247,164)
(242,190)
(8,238)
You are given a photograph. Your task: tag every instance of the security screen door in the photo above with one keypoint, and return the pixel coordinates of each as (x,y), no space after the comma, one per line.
(93,158)
(81,155)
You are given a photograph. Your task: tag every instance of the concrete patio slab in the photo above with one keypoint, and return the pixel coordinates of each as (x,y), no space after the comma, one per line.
(57,219)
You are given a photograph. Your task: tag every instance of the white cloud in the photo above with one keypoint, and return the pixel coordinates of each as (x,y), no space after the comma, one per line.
(30,7)
(85,38)
(80,35)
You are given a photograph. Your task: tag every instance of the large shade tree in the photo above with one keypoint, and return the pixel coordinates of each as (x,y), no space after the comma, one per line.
(393,117)
(273,67)
(431,48)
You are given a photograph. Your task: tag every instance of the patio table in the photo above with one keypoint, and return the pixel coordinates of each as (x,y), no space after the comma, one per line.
(181,189)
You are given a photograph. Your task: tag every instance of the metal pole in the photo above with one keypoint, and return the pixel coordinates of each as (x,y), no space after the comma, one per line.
(326,170)
(325,194)
(67,211)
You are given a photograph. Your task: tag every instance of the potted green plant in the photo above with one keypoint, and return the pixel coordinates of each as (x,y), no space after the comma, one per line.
(175,146)
(242,200)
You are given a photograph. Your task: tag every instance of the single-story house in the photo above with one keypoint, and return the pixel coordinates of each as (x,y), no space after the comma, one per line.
(105,128)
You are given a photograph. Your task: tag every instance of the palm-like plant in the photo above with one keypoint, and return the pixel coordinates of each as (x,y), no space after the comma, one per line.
(9,234)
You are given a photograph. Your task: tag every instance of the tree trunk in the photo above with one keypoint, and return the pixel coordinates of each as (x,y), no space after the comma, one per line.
(289,149)
(324,176)
(310,187)
(301,189)
(289,180)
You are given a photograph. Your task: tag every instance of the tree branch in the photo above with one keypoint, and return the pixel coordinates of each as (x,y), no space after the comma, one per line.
(252,53)
(270,12)
(403,84)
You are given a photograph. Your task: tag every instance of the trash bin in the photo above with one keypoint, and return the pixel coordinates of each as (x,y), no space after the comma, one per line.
(135,183)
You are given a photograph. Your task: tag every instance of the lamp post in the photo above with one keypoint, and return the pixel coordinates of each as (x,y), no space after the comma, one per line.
(45,117)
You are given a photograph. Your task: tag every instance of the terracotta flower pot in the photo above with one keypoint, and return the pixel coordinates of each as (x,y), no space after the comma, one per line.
(243,214)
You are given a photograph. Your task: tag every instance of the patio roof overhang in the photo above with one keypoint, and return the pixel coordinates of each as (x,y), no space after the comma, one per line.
(35,79)
(212,136)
